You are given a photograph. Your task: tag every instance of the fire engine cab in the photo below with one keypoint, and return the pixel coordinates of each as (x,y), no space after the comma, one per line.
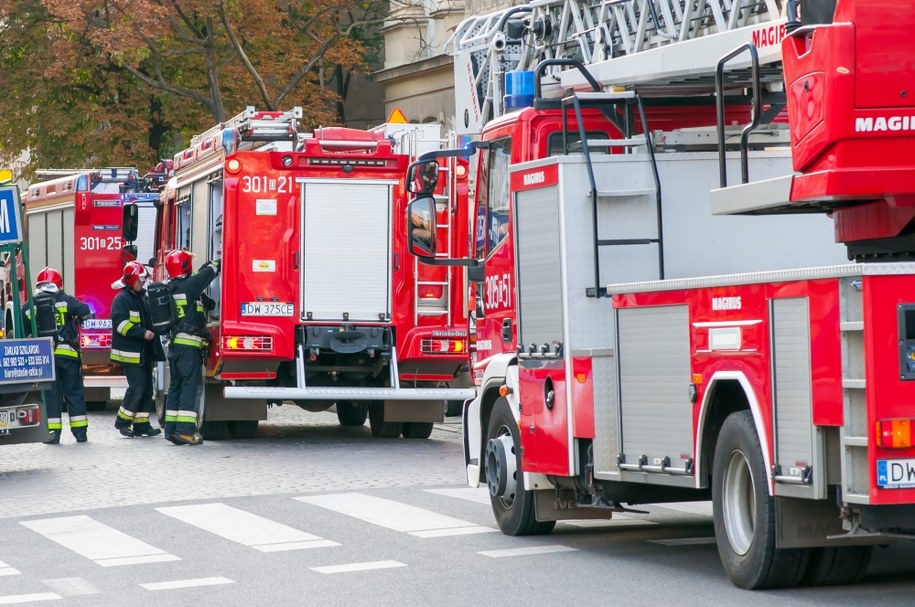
(318,301)
(638,342)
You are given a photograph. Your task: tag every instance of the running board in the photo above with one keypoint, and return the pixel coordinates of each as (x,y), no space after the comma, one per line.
(322,393)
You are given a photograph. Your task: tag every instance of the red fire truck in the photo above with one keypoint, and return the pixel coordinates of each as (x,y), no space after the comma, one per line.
(318,301)
(634,347)
(73,224)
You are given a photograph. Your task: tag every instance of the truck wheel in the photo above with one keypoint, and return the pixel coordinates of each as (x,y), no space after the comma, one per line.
(381,428)
(842,565)
(215,430)
(417,429)
(512,505)
(453,408)
(243,428)
(351,414)
(744,512)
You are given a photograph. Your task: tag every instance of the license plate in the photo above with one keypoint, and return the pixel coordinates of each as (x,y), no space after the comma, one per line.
(896,473)
(267,308)
(5,418)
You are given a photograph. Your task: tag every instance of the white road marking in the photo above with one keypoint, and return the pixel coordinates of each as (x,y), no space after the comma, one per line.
(106,546)
(358,567)
(479,495)
(685,541)
(246,528)
(393,515)
(530,550)
(71,586)
(16,599)
(203,581)
(7,570)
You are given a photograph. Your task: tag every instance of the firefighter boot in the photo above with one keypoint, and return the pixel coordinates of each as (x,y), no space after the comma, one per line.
(146,430)
(81,436)
(53,437)
(186,439)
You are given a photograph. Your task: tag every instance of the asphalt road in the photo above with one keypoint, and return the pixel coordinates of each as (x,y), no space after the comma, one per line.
(310,513)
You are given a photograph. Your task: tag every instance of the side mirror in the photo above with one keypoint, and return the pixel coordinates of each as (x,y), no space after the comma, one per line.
(421,222)
(422,177)
(130,252)
(131,221)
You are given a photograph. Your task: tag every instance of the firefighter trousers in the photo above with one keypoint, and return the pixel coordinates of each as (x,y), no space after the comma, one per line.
(68,385)
(138,399)
(183,405)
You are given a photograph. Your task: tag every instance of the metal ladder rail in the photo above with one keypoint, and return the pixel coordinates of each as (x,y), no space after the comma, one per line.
(626,100)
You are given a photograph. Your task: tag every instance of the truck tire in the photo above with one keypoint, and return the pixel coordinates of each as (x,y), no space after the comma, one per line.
(417,429)
(243,428)
(351,414)
(381,428)
(453,408)
(512,505)
(834,566)
(215,430)
(744,512)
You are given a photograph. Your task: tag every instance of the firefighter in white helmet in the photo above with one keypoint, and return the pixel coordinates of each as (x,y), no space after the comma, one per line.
(135,347)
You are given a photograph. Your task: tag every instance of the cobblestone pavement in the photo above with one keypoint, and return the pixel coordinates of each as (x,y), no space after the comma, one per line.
(295,451)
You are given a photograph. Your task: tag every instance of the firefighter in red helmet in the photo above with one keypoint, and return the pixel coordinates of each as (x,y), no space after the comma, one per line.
(68,384)
(135,347)
(188,343)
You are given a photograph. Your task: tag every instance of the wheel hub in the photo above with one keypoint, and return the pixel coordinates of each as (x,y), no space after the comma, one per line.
(739,503)
(501,468)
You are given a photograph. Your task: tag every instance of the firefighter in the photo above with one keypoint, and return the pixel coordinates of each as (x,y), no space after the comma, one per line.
(188,344)
(135,347)
(68,384)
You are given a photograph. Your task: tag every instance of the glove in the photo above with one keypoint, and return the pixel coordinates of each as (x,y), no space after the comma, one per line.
(209,304)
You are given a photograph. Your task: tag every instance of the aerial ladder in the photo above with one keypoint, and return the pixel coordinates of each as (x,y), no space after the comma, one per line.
(650,44)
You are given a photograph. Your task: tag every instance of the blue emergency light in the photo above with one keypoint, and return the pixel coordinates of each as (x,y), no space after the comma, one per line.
(519,90)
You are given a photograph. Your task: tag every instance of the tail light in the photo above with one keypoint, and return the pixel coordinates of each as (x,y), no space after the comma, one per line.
(257,343)
(442,346)
(29,416)
(894,433)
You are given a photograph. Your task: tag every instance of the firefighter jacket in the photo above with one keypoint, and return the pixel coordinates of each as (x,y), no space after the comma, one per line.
(190,328)
(68,313)
(129,322)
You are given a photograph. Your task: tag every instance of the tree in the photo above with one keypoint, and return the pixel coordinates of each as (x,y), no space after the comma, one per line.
(126,81)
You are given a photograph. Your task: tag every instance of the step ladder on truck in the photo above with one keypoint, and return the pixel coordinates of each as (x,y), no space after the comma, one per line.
(26,363)
(639,344)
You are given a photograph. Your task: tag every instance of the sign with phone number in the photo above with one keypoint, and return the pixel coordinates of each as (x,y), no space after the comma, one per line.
(26,360)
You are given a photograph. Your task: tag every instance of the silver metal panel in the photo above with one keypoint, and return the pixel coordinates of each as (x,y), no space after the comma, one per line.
(69,231)
(606,415)
(318,393)
(654,376)
(55,239)
(146,231)
(200,224)
(754,196)
(38,255)
(346,250)
(797,443)
(540,309)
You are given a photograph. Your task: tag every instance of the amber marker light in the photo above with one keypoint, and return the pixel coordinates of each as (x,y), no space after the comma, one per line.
(894,433)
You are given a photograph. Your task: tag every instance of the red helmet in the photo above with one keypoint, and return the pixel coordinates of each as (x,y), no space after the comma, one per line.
(178,263)
(49,274)
(134,271)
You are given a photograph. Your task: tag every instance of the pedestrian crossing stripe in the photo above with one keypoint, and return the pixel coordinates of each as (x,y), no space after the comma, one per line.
(394,515)
(246,528)
(106,546)
(7,570)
